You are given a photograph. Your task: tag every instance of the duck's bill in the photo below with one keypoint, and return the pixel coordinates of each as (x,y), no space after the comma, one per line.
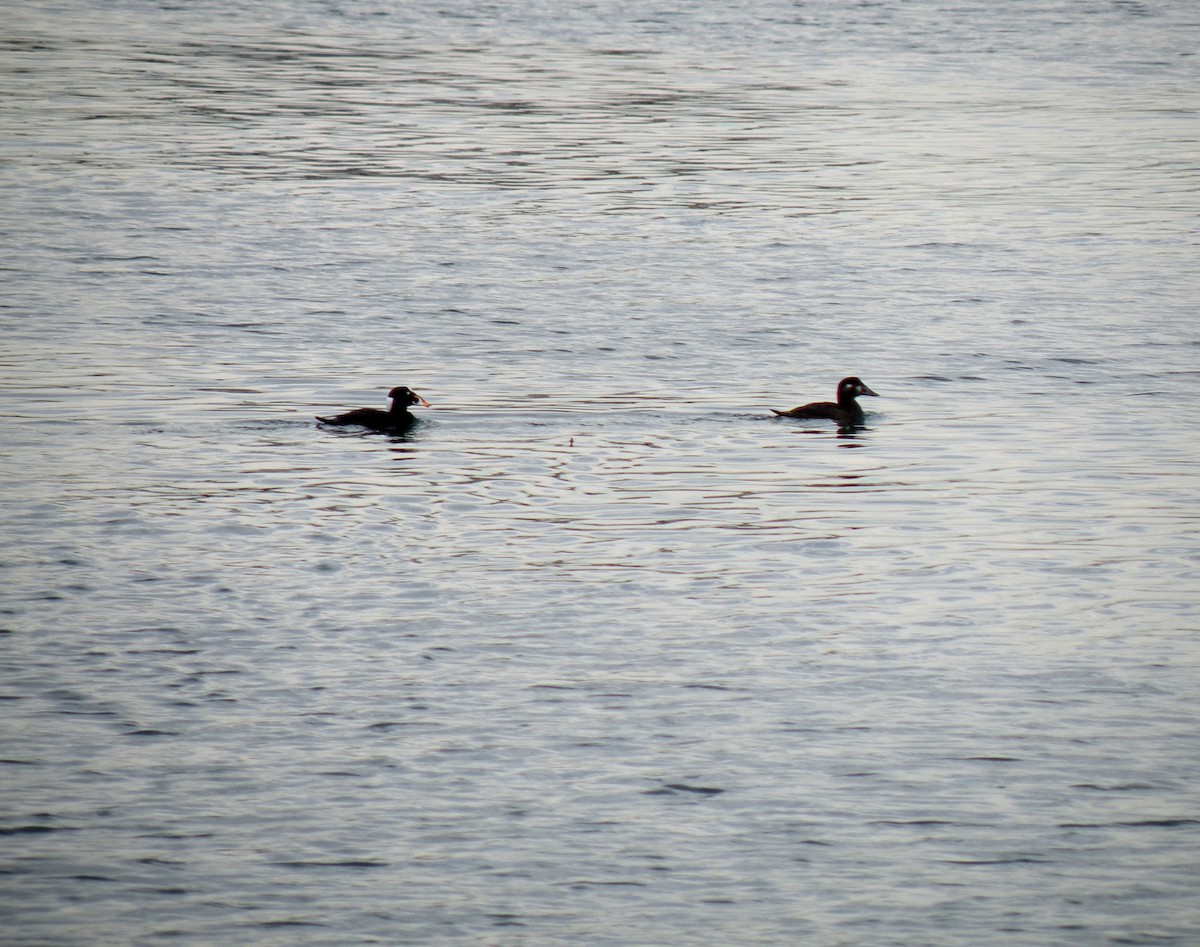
(868,391)
(422,402)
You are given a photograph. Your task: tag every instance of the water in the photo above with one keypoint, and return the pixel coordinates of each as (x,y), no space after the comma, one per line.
(601,653)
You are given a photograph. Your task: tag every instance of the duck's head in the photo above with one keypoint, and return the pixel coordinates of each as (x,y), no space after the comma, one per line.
(852,387)
(407,396)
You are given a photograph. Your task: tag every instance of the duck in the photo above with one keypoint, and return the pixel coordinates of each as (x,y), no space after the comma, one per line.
(393,421)
(846,412)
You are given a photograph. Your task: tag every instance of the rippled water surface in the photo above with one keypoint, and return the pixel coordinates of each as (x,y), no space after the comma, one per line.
(601,652)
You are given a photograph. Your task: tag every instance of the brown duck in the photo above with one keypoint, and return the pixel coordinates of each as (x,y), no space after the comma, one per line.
(846,412)
(395,420)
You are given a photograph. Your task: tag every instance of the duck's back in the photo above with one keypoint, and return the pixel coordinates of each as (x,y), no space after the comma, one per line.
(818,409)
(367,417)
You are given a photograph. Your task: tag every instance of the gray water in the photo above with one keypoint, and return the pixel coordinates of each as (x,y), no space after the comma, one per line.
(601,652)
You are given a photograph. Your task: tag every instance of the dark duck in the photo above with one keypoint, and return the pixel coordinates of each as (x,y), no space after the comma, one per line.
(846,412)
(395,420)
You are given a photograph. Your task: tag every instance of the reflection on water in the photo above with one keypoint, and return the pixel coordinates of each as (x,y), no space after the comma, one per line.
(600,650)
